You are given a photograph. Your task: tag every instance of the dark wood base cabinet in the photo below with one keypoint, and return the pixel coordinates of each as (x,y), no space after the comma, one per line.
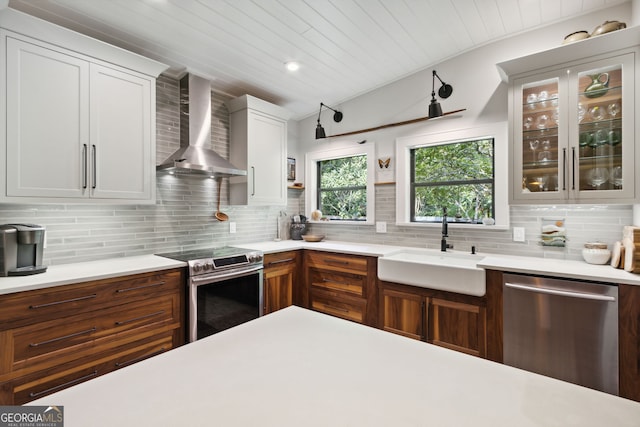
(342,285)
(446,319)
(280,280)
(57,337)
(629,339)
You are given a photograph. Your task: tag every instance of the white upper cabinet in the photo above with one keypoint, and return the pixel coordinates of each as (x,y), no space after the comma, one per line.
(78,129)
(572,124)
(258,143)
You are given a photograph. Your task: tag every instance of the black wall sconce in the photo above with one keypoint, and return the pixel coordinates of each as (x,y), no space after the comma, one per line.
(337,117)
(445,91)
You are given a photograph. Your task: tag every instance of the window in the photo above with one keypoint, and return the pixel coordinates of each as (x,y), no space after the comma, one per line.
(464,170)
(340,183)
(457,176)
(342,189)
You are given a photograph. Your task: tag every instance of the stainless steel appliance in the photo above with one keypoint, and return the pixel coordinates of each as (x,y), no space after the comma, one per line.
(563,329)
(21,249)
(224,288)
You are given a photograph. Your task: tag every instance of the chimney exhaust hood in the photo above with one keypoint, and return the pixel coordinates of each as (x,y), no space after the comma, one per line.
(194,156)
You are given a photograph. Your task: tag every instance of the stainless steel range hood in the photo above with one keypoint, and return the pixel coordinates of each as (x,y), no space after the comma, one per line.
(194,155)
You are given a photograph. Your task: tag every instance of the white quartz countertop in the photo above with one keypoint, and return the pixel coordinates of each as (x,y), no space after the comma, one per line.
(301,368)
(67,274)
(570,269)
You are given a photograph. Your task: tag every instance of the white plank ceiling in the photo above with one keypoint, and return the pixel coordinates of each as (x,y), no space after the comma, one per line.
(344,47)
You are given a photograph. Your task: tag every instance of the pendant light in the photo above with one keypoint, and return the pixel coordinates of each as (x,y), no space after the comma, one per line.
(445,91)
(337,117)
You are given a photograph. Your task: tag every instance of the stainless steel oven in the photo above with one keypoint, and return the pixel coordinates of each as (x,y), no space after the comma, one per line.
(224,288)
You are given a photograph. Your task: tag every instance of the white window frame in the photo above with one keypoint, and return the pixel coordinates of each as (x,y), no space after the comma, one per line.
(311,177)
(497,131)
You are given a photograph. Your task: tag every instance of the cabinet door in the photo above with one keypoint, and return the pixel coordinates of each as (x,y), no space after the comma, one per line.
(404,313)
(540,150)
(120,152)
(266,159)
(47,121)
(279,280)
(458,326)
(603,96)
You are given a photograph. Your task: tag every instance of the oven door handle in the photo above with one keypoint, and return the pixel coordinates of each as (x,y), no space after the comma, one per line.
(219,277)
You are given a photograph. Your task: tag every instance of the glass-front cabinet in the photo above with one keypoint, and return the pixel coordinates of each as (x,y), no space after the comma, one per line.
(573,133)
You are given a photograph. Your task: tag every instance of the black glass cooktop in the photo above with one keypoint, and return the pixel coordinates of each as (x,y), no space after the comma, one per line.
(207,253)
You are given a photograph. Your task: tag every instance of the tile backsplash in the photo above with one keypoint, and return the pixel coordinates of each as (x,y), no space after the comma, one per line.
(183,214)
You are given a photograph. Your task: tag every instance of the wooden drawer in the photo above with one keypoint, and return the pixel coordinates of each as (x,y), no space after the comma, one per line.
(337,262)
(280,259)
(35,306)
(27,388)
(33,347)
(341,282)
(337,305)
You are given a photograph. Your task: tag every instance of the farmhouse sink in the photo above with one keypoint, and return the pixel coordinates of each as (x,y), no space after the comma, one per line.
(448,271)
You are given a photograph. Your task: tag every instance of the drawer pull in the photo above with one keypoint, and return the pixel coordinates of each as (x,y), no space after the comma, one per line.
(150,285)
(280,261)
(337,282)
(65,385)
(335,261)
(146,316)
(344,310)
(76,334)
(49,304)
(138,359)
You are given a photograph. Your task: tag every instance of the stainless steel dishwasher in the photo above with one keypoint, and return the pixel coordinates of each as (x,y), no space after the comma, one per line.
(563,329)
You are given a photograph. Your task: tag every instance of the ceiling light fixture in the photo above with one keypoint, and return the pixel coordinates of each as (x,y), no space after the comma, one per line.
(445,91)
(337,117)
(292,66)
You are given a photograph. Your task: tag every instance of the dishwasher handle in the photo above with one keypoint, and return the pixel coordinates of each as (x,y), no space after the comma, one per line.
(571,294)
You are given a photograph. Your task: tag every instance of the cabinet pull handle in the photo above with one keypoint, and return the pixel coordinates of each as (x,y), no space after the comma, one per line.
(335,281)
(95,174)
(65,385)
(253,178)
(573,168)
(564,175)
(423,310)
(49,304)
(52,340)
(280,261)
(135,288)
(84,166)
(335,261)
(138,359)
(344,310)
(146,316)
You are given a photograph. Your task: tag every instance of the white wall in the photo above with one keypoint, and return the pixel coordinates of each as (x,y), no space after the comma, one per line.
(478,89)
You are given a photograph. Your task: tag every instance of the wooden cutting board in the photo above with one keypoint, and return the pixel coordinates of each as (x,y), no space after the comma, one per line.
(631,255)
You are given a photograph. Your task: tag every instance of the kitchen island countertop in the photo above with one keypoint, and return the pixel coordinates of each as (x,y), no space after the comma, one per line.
(297,367)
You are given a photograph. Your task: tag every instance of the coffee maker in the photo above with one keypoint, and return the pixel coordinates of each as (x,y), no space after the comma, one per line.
(21,247)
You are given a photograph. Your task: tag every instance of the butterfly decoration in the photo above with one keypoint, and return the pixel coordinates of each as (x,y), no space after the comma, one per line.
(384,163)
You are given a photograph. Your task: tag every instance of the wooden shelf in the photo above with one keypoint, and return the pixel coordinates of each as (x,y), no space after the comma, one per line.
(390,125)
(296,187)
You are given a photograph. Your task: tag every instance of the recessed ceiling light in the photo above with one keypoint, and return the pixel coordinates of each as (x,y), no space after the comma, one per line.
(292,66)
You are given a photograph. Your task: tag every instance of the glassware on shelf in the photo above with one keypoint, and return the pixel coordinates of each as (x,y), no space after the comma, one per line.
(527,122)
(597,176)
(555,116)
(554,99)
(596,113)
(614,137)
(581,112)
(533,144)
(542,121)
(544,156)
(616,176)
(531,100)
(543,96)
(541,181)
(613,109)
